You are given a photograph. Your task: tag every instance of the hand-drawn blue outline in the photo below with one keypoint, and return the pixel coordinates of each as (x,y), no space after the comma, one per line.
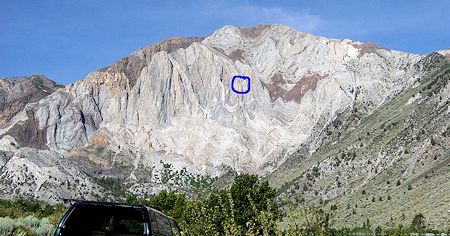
(240,77)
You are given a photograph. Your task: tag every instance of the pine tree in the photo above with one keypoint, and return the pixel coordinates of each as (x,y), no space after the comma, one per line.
(378,231)
(418,221)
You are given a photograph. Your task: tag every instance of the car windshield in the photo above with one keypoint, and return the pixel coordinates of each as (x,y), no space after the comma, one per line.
(105,220)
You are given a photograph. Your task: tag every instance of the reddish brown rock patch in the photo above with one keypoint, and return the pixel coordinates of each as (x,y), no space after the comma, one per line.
(301,87)
(296,93)
(274,88)
(253,32)
(87,158)
(368,47)
(131,66)
(170,45)
(100,140)
(237,55)
(28,134)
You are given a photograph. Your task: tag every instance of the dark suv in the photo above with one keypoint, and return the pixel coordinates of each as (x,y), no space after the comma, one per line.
(114,219)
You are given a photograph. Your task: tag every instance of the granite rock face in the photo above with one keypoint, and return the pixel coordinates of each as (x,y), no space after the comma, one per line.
(171,104)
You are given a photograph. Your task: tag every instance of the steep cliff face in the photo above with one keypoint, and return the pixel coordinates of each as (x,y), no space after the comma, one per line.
(171,103)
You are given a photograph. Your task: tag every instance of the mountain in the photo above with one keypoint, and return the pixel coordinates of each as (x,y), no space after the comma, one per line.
(166,116)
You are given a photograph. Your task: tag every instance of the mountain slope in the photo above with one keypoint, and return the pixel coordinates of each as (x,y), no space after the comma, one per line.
(387,166)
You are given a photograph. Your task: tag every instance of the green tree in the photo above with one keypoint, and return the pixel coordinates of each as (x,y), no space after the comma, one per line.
(170,203)
(378,231)
(418,221)
(333,207)
(366,224)
(247,190)
(433,142)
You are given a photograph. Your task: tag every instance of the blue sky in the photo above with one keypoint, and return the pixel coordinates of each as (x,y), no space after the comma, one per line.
(67,39)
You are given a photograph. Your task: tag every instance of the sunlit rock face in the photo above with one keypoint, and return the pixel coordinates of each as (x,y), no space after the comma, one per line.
(172,102)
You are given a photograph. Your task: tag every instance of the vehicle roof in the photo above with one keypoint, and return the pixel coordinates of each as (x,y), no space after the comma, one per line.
(87,202)
(153,209)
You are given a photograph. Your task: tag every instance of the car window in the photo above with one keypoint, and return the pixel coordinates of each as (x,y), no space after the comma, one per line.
(160,224)
(154,225)
(98,220)
(174,228)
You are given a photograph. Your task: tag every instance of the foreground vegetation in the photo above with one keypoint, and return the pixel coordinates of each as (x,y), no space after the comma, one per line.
(247,207)
(25,217)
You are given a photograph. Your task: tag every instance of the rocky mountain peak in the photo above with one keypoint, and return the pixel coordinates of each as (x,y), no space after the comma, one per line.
(17,92)
(252,32)
(445,53)
(171,104)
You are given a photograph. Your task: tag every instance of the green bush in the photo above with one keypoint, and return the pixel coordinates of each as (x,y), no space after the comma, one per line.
(418,221)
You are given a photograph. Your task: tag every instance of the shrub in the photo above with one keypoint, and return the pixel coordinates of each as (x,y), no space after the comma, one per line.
(29,225)
(378,231)
(308,221)
(418,221)
(433,142)
(21,208)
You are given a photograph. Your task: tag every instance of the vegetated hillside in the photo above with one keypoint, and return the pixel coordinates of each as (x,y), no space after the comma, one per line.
(387,166)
